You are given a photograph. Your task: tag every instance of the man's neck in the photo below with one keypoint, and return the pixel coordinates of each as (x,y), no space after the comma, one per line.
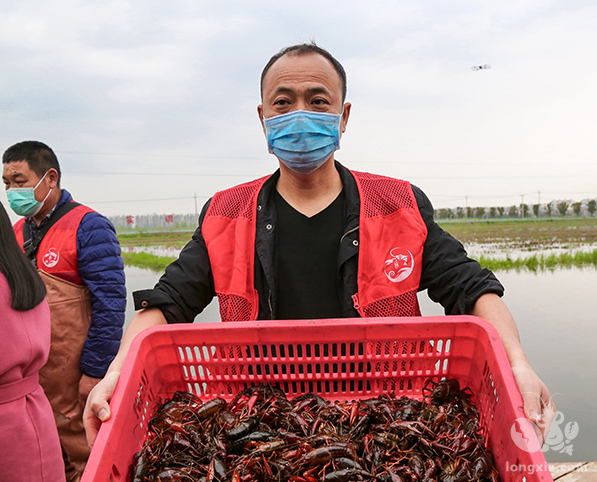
(311,193)
(48,206)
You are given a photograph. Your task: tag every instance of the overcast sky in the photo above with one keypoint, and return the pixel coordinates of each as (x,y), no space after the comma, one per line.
(149,103)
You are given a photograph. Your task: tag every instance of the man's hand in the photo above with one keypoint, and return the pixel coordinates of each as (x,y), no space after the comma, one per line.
(538,405)
(97,409)
(86,384)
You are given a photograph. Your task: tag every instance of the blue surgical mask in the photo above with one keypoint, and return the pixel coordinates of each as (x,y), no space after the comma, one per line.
(22,199)
(303,140)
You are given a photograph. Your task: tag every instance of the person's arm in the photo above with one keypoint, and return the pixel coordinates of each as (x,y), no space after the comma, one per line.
(461,286)
(181,293)
(452,278)
(102,270)
(186,287)
(97,409)
(538,406)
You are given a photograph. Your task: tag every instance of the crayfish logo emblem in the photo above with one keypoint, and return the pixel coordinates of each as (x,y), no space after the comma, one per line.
(525,433)
(51,258)
(399,264)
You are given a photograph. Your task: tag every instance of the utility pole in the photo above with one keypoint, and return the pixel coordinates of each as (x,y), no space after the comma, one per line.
(195,204)
(521,205)
(538,202)
(466,207)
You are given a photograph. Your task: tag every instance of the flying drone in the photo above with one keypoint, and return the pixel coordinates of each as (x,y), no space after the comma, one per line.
(481,67)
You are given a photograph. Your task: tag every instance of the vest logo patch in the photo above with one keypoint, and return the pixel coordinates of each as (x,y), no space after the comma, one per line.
(399,264)
(51,258)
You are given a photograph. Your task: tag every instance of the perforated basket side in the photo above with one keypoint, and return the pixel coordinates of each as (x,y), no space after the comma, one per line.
(338,360)
(151,372)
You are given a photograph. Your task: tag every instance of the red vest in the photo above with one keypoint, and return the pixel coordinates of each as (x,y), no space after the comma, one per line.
(57,253)
(392,234)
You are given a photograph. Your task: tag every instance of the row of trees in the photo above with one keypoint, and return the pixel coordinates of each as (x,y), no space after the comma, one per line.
(561,208)
(521,210)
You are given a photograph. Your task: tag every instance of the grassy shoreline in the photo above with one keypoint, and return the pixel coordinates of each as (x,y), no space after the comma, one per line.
(530,234)
(531,263)
(541,263)
(155,263)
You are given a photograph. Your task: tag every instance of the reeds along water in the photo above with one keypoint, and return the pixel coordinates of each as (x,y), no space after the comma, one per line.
(530,263)
(541,262)
(149,261)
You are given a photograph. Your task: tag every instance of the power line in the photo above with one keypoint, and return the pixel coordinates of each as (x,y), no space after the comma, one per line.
(506,196)
(446,198)
(144,200)
(183,174)
(161,156)
(254,176)
(402,162)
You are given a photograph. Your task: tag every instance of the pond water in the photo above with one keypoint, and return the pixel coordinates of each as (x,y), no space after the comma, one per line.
(556,313)
(160,250)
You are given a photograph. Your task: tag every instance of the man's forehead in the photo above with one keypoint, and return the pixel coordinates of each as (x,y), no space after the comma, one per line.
(298,66)
(17,168)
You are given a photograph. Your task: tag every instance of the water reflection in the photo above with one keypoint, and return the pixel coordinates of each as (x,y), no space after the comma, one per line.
(161,250)
(500,251)
(142,279)
(556,312)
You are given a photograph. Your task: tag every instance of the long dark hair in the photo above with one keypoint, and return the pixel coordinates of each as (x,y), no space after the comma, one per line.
(26,287)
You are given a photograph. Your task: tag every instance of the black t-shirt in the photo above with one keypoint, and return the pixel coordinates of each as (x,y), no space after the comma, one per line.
(307,261)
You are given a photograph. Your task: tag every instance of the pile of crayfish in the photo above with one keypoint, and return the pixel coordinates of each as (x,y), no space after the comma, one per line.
(260,435)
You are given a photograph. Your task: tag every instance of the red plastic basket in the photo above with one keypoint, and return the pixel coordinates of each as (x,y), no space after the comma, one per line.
(337,359)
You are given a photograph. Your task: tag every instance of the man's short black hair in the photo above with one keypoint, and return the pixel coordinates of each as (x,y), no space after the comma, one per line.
(304,49)
(38,155)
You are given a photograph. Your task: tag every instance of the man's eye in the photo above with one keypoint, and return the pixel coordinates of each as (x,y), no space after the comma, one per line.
(281,102)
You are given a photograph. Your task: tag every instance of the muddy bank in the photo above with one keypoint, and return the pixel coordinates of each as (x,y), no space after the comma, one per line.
(525,234)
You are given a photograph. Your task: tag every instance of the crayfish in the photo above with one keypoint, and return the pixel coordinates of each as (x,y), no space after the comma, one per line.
(261,435)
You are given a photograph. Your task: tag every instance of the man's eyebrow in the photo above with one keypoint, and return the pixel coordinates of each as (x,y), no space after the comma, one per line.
(311,90)
(318,90)
(11,176)
(283,90)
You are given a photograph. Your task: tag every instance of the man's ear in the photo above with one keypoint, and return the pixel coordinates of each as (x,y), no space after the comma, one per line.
(52,177)
(260,112)
(345,115)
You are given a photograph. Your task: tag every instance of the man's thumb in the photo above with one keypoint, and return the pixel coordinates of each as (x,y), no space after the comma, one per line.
(103,413)
(532,408)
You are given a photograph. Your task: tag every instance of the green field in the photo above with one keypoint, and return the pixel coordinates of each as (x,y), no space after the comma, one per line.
(529,234)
